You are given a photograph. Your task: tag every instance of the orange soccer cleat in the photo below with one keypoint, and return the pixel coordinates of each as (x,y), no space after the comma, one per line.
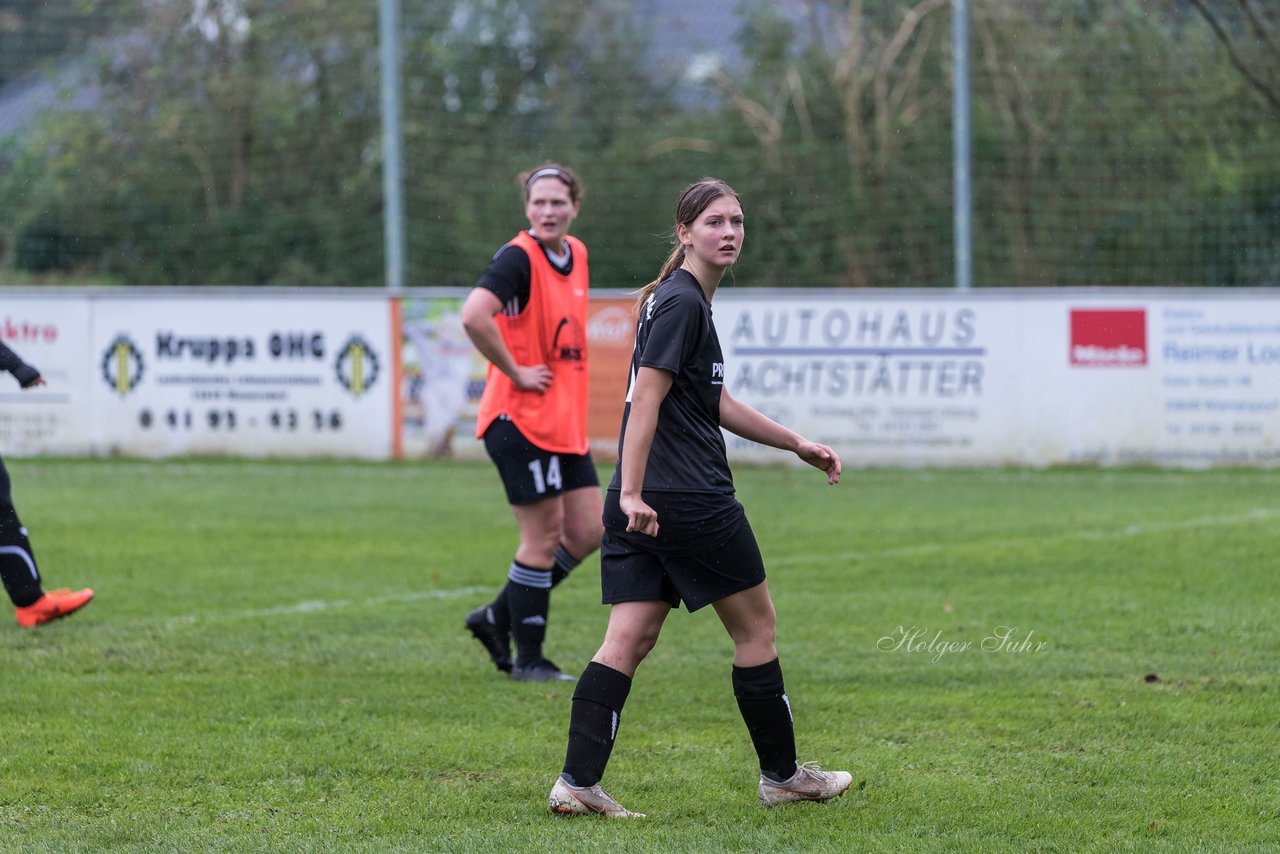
(52,605)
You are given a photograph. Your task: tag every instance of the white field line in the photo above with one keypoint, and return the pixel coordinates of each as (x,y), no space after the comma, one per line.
(1257,514)
(316,606)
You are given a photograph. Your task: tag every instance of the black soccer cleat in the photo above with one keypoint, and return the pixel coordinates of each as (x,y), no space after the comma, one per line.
(541,671)
(495,639)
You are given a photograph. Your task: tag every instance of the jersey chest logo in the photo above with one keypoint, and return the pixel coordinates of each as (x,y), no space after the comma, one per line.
(569,343)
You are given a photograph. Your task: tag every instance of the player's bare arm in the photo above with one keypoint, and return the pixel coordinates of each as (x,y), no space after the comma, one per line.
(650,389)
(742,420)
(478,312)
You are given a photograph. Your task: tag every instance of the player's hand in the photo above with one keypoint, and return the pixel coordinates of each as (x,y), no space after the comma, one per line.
(640,516)
(533,378)
(39,380)
(821,457)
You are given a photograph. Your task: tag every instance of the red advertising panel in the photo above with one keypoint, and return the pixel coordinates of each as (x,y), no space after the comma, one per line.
(1109,338)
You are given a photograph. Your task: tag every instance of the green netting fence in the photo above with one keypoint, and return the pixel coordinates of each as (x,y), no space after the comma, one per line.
(158,142)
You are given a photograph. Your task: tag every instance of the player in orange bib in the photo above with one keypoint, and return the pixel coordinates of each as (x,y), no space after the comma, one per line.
(527,315)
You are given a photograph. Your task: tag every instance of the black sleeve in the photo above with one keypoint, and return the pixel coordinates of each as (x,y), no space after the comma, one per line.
(10,361)
(508,277)
(673,331)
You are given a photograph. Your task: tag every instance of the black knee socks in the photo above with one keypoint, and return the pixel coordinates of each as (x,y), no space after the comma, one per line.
(18,565)
(767,713)
(602,691)
(565,563)
(593,723)
(501,610)
(529,598)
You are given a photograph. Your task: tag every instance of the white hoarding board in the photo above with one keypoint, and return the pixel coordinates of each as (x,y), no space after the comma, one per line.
(885,382)
(908,378)
(1031,379)
(243,376)
(52,335)
(1178,382)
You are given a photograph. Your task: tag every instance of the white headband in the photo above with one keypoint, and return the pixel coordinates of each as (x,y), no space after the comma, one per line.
(549,172)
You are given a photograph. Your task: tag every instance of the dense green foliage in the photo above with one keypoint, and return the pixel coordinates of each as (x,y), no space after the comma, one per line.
(238,141)
(275,661)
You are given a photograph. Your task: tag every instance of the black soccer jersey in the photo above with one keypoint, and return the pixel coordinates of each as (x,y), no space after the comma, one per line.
(12,362)
(675,333)
(508,275)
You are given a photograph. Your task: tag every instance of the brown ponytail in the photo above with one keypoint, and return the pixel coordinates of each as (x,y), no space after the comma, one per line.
(694,199)
(674,260)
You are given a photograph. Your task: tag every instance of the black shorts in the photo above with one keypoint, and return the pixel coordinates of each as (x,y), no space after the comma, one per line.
(531,474)
(680,565)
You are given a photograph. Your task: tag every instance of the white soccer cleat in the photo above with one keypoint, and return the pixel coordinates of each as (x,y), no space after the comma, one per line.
(586,800)
(809,783)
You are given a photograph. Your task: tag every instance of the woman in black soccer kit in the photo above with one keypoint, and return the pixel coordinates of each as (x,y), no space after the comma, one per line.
(22,582)
(674,530)
(527,316)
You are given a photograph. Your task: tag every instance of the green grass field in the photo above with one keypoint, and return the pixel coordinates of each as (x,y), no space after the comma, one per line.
(276,662)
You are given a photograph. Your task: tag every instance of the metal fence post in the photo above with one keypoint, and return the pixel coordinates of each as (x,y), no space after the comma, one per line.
(960,144)
(392,189)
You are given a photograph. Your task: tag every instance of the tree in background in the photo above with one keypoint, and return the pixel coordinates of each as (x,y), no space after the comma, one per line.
(1095,159)
(231,146)
(238,141)
(847,109)
(1249,34)
(493,87)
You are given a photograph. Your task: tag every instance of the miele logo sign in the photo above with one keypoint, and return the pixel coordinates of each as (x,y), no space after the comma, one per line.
(1109,337)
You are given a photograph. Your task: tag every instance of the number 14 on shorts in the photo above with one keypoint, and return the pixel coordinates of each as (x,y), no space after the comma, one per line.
(550,477)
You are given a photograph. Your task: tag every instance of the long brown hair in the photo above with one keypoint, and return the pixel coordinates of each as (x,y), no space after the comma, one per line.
(694,199)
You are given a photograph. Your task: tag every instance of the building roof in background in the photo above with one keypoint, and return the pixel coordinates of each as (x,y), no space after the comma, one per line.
(23,100)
